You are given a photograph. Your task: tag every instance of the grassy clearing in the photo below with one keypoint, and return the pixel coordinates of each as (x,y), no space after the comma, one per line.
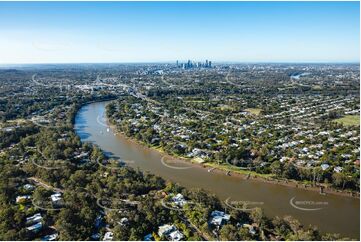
(195,101)
(349,120)
(227,167)
(198,160)
(13,122)
(225,108)
(316,87)
(254,111)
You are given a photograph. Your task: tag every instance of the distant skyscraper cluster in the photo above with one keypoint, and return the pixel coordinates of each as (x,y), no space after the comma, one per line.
(192,64)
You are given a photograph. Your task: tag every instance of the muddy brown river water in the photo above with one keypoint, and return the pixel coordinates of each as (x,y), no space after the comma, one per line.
(330,213)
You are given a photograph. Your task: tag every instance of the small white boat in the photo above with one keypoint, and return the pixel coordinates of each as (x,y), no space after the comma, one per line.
(107,129)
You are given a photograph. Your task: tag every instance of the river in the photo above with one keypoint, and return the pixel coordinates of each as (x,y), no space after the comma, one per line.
(330,213)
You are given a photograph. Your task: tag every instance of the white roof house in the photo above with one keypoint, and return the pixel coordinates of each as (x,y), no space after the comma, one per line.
(325,166)
(179,200)
(82,155)
(56,197)
(34,219)
(108,236)
(165,229)
(28,187)
(218,218)
(170,232)
(123,221)
(176,236)
(337,169)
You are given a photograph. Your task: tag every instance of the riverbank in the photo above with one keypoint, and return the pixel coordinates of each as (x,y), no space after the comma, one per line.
(323,189)
(283,182)
(339,215)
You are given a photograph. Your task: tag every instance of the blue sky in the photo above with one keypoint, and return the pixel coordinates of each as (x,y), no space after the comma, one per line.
(68,32)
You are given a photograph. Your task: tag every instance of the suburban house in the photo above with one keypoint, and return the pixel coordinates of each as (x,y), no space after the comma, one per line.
(108,236)
(56,198)
(179,200)
(34,219)
(50,237)
(35,228)
(218,218)
(29,187)
(22,199)
(148,237)
(170,232)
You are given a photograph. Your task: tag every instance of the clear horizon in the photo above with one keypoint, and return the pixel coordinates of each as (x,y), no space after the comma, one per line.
(162,32)
(173,62)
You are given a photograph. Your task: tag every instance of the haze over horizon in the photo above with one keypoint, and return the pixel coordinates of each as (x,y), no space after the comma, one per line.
(138,32)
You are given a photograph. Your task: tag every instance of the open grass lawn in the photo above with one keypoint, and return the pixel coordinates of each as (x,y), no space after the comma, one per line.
(12,122)
(195,101)
(225,108)
(349,120)
(316,87)
(254,111)
(228,167)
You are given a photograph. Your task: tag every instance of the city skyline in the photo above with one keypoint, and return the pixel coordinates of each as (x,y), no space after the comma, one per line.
(124,32)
